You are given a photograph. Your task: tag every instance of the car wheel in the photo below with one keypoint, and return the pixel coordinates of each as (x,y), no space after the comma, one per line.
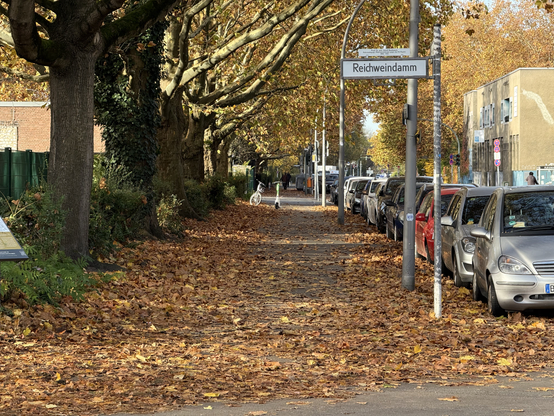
(457,278)
(492,301)
(369,222)
(429,259)
(475,291)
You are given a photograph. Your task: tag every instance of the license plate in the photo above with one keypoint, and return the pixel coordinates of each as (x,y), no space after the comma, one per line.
(549,288)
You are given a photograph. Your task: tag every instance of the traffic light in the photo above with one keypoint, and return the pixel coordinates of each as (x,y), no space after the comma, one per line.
(458,159)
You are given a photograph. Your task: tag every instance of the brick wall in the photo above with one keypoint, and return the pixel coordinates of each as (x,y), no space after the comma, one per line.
(32,120)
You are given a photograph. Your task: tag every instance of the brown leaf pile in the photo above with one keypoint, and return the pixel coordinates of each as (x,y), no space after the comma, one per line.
(256,304)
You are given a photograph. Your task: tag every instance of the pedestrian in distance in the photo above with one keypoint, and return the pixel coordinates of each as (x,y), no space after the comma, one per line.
(531,180)
(284,181)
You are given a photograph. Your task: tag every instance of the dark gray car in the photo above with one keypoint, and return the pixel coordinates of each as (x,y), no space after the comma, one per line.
(457,244)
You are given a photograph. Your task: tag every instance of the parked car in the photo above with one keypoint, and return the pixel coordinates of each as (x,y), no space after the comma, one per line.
(334,192)
(457,244)
(394,213)
(367,194)
(348,185)
(355,200)
(430,187)
(385,193)
(513,263)
(330,179)
(425,223)
(372,203)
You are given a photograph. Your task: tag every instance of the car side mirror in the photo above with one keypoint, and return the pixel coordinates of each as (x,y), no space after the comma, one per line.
(480,232)
(420,216)
(447,221)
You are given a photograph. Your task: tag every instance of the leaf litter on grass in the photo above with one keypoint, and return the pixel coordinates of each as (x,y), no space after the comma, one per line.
(229,315)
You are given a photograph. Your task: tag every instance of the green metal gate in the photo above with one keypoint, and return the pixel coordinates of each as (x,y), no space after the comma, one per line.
(20,171)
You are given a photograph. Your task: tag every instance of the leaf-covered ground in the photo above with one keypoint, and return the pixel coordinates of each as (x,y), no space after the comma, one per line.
(252,305)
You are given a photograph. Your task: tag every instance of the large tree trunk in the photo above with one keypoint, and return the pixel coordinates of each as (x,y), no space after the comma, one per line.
(193,149)
(71,147)
(170,139)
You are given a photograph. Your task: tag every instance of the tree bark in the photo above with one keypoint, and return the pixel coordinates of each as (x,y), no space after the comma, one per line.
(170,139)
(71,147)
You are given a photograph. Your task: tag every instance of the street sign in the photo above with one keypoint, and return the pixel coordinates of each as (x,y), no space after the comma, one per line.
(496,155)
(496,142)
(497,162)
(384,52)
(451,159)
(384,68)
(9,247)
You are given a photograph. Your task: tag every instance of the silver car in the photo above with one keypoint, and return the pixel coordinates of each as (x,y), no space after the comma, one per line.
(372,202)
(513,262)
(457,244)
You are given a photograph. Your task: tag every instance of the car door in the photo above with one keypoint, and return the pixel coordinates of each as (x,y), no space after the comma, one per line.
(484,247)
(448,233)
(421,224)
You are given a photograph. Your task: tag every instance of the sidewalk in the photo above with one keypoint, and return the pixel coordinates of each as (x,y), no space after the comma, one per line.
(307,253)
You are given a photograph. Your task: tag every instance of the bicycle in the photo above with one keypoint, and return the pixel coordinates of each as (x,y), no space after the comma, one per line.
(256,197)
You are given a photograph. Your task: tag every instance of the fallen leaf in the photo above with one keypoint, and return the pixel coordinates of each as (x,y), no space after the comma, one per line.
(449,399)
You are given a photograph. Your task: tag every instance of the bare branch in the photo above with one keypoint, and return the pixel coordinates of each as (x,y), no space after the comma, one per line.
(24,75)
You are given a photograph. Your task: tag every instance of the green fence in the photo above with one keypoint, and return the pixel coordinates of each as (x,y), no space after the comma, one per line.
(20,170)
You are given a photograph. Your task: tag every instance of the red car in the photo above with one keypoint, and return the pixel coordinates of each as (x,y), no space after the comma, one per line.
(425,224)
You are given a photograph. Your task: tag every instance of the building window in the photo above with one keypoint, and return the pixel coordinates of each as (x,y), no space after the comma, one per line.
(506,110)
(486,117)
(481,118)
(492,115)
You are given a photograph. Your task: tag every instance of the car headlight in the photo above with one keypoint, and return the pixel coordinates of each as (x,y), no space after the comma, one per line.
(512,266)
(468,244)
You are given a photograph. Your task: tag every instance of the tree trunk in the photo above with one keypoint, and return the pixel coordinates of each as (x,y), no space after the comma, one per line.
(222,168)
(71,147)
(193,150)
(170,139)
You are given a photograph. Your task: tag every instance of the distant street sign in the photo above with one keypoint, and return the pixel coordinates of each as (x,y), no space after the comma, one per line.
(496,155)
(497,162)
(384,52)
(496,142)
(384,68)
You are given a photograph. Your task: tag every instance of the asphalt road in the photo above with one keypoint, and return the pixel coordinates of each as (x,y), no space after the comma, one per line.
(532,394)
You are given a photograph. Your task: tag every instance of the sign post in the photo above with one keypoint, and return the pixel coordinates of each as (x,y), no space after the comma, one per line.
(497,160)
(411,68)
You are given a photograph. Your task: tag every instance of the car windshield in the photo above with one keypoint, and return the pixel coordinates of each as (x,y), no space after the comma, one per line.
(361,185)
(374,185)
(393,185)
(527,210)
(473,208)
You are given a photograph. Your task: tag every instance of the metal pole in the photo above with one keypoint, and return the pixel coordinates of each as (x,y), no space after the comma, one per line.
(437,168)
(316,175)
(341,121)
(408,259)
(323,159)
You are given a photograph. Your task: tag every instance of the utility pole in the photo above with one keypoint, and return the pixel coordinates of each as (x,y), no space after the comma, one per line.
(323,159)
(408,260)
(436,53)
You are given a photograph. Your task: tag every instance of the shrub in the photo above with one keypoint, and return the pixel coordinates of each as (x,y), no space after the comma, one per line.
(196,198)
(168,214)
(237,187)
(42,279)
(214,192)
(36,221)
(117,208)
